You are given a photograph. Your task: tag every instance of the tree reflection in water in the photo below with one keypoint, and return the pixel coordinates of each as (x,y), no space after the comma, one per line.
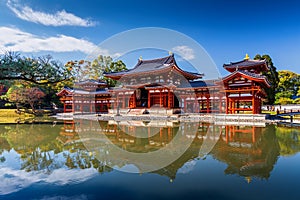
(248,151)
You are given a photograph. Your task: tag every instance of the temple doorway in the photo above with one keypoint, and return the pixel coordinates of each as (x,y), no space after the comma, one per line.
(141,95)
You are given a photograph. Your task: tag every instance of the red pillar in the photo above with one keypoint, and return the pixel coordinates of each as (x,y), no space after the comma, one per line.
(169,99)
(149,99)
(64,106)
(226,104)
(184,104)
(220,104)
(207,104)
(160,99)
(123,103)
(253,134)
(253,105)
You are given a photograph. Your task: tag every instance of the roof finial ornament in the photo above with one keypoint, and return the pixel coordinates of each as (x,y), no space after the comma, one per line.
(140,58)
(170,53)
(247,57)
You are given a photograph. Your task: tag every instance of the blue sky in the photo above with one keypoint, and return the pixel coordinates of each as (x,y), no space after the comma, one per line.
(226,29)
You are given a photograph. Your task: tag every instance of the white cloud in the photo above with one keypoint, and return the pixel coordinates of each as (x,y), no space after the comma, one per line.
(13,180)
(60,18)
(13,39)
(185,52)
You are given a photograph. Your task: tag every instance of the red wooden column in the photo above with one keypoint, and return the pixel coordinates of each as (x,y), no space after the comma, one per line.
(226,104)
(134,100)
(207,104)
(169,99)
(64,106)
(149,99)
(73,105)
(253,103)
(202,103)
(169,134)
(259,104)
(227,134)
(160,99)
(123,101)
(253,134)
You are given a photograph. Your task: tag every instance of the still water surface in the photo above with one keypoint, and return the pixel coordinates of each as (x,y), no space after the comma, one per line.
(52,162)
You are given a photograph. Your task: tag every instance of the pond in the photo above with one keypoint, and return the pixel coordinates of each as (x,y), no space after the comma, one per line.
(148,160)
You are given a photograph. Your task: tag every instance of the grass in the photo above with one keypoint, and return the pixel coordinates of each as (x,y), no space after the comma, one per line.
(10,116)
(269,112)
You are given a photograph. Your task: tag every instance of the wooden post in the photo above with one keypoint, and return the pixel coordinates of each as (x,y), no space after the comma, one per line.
(169,103)
(123,103)
(184,104)
(253,104)
(227,134)
(134,100)
(73,105)
(253,134)
(160,99)
(207,104)
(149,99)
(226,104)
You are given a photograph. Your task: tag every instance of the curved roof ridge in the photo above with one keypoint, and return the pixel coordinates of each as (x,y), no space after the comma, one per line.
(249,74)
(241,61)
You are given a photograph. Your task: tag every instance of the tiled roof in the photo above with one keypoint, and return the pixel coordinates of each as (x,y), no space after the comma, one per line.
(154,65)
(149,65)
(79,91)
(244,64)
(76,91)
(249,74)
(254,75)
(90,81)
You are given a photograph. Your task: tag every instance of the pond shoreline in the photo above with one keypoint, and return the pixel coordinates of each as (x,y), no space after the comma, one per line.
(220,119)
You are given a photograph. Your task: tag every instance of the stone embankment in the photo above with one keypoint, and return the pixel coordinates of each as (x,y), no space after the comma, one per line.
(221,119)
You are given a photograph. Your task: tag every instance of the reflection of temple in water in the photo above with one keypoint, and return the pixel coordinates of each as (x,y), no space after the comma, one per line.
(68,133)
(248,151)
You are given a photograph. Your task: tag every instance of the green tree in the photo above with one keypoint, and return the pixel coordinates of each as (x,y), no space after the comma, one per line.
(84,70)
(272,76)
(21,95)
(288,87)
(117,66)
(40,70)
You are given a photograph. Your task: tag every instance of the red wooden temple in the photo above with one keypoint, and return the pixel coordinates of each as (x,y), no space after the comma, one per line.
(160,84)
(245,86)
(86,96)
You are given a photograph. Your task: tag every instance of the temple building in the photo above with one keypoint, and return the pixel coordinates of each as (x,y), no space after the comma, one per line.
(152,84)
(245,86)
(161,86)
(87,96)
